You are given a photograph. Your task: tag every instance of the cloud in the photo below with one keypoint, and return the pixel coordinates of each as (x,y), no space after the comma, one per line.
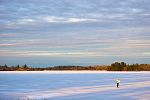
(25,21)
(46,53)
(146,54)
(125,38)
(55,19)
(69,53)
(75,28)
(7,45)
(91,53)
(3,35)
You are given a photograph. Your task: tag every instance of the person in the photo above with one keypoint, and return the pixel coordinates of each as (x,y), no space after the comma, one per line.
(117,82)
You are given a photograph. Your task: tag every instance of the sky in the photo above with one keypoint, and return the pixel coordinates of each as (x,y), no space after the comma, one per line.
(43,33)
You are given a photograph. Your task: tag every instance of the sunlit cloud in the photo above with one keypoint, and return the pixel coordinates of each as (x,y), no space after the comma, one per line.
(7,45)
(146,54)
(79,53)
(46,53)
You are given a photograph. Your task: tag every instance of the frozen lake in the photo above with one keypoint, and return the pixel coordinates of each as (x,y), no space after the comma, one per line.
(74,85)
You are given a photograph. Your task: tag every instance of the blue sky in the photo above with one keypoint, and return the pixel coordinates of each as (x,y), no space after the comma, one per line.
(74,32)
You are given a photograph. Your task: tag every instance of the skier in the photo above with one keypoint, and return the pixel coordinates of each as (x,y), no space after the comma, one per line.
(117,82)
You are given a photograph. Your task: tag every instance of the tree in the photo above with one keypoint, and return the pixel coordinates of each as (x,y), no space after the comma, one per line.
(117,66)
(18,66)
(25,66)
(5,66)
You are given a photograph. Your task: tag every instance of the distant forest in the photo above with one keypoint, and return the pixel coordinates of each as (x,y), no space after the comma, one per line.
(117,66)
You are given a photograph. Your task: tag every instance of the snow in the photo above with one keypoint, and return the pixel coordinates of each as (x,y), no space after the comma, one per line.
(74,85)
(69,72)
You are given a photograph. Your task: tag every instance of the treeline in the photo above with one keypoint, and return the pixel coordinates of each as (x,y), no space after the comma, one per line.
(117,66)
(122,66)
(28,68)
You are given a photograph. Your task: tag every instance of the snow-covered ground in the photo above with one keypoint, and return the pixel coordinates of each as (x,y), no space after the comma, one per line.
(74,85)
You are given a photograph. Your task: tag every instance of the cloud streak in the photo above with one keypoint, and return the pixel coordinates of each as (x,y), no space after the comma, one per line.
(54,19)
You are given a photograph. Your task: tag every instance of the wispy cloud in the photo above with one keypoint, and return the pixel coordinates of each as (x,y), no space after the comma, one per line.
(56,19)
(3,35)
(6,45)
(25,21)
(46,53)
